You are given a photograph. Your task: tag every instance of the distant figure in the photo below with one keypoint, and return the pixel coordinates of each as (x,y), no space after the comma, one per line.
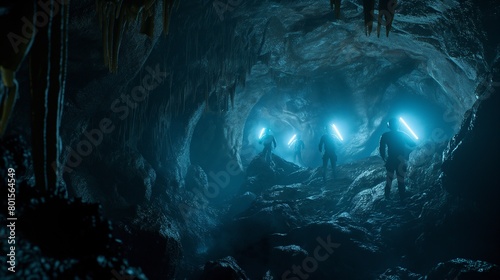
(268,141)
(386,12)
(298,146)
(399,146)
(335,5)
(368,11)
(328,142)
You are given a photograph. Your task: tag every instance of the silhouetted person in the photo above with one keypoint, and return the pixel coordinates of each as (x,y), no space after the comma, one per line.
(368,11)
(335,5)
(398,146)
(298,146)
(386,12)
(328,142)
(268,141)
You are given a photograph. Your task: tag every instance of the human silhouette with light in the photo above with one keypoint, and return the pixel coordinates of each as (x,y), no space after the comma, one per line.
(395,147)
(327,143)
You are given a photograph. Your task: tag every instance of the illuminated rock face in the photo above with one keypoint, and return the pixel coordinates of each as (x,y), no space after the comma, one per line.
(314,70)
(348,77)
(471,158)
(290,65)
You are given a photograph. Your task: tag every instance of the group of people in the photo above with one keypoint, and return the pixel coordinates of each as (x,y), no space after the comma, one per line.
(327,143)
(394,148)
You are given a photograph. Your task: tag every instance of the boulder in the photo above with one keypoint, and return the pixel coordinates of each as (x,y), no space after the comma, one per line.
(464,269)
(223,269)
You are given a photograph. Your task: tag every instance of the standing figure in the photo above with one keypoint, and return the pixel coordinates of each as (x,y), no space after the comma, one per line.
(328,142)
(268,141)
(386,13)
(335,5)
(398,146)
(298,146)
(368,11)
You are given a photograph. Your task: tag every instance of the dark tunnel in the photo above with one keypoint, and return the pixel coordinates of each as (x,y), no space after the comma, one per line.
(236,140)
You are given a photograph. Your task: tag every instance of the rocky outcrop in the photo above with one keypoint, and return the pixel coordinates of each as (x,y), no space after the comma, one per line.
(344,228)
(463,269)
(225,268)
(472,156)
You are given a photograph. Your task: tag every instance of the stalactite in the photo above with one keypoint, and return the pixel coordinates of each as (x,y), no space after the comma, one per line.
(116,16)
(114,20)
(148,21)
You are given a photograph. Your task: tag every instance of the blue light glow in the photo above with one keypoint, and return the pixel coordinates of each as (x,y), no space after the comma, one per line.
(408,127)
(292,140)
(262,132)
(337,131)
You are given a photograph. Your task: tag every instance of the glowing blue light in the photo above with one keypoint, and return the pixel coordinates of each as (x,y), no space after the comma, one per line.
(338,133)
(408,127)
(292,140)
(262,133)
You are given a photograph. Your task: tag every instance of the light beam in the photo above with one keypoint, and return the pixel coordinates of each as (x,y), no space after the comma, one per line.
(338,133)
(408,127)
(292,139)
(262,133)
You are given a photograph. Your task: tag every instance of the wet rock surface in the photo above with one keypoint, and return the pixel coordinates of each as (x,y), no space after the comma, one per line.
(225,268)
(464,269)
(294,224)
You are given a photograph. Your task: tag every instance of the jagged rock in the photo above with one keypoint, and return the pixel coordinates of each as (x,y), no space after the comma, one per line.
(196,178)
(278,217)
(281,258)
(223,269)
(471,158)
(241,203)
(367,200)
(261,175)
(399,273)
(14,153)
(152,243)
(64,239)
(268,276)
(334,246)
(134,176)
(463,269)
(370,177)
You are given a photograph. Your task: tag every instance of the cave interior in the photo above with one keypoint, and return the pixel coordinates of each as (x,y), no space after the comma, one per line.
(133,139)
